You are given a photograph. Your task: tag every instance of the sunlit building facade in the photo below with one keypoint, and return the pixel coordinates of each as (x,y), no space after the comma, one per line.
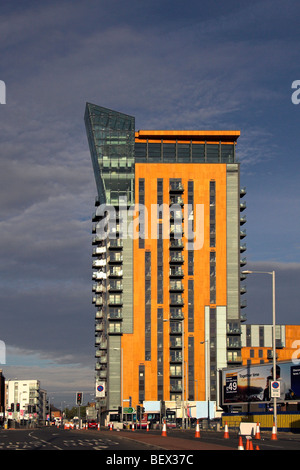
(168,247)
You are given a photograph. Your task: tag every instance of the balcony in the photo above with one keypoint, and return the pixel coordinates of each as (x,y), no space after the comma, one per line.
(115,286)
(234,358)
(243,248)
(115,273)
(243,206)
(175,371)
(99,314)
(115,314)
(243,192)
(115,300)
(115,244)
(176,313)
(114,329)
(233,328)
(175,328)
(115,258)
(97,300)
(176,356)
(176,244)
(233,343)
(99,327)
(175,342)
(176,286)
(98,275)
(243,233)
(98,288)
(243,289)
(176,258)
(98,263)
(176,299)
(243,220)
(176,200)
(176,272)
(96,240)
(99,250)
(176,187)
(243,261)
(176,231)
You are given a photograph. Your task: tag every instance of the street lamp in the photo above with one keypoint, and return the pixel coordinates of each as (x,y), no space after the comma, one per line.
(272,273)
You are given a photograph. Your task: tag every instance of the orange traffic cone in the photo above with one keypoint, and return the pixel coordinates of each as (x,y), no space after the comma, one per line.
(274,433)
(147,426)
(132,427)
(226,433)
(197,433)
(111,426)
(164,431)
(257,447)
(257,433)
(249,445)
(240,446)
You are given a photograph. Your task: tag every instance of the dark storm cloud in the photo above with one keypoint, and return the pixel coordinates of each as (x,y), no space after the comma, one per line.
(226,65)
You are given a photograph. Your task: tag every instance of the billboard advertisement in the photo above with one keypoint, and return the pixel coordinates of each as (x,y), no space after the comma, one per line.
(252,383)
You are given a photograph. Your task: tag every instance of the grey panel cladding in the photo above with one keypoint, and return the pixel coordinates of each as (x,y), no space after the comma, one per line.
(114,376)
(127,285)
(233,241)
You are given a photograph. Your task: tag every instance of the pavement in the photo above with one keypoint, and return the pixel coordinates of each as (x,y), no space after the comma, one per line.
(169,442)
(191,443)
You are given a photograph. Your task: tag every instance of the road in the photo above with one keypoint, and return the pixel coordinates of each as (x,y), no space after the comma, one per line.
(52,438)
(120,442)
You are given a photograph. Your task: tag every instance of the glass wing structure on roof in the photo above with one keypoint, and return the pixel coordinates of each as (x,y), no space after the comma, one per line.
(111,137)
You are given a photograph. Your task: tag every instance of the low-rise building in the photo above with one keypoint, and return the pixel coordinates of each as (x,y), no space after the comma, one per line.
(24,400)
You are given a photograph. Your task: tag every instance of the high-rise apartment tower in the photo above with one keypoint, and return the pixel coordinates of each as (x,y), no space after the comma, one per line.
(167,244)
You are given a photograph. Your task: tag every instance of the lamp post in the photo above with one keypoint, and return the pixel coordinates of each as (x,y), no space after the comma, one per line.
(272,273)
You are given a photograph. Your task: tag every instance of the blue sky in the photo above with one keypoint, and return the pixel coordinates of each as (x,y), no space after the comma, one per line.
(173,65)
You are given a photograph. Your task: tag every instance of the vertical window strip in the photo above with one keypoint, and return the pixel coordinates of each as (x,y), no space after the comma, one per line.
(160,355)
(191,213)
(190,305)
(141,383)
(212,351)
(160,290)
(147,305)
(191,369)
(212,216)
(141,213)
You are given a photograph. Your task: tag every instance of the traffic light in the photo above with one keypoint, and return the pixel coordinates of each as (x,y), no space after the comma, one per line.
(18,406)
(12,407)
(138,412)
(79,398)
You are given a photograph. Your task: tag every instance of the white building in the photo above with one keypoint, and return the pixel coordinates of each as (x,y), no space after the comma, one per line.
(24,400)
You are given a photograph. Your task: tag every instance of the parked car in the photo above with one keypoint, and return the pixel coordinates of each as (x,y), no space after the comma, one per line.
(92,424)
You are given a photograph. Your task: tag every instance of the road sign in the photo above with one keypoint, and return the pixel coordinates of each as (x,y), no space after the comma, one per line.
(275,389)
(128,410)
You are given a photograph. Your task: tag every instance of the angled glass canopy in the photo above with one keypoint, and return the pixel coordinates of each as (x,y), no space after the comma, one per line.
(111,137)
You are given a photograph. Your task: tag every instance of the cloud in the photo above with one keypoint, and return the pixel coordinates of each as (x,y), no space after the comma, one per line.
(259,293)
(198,67)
